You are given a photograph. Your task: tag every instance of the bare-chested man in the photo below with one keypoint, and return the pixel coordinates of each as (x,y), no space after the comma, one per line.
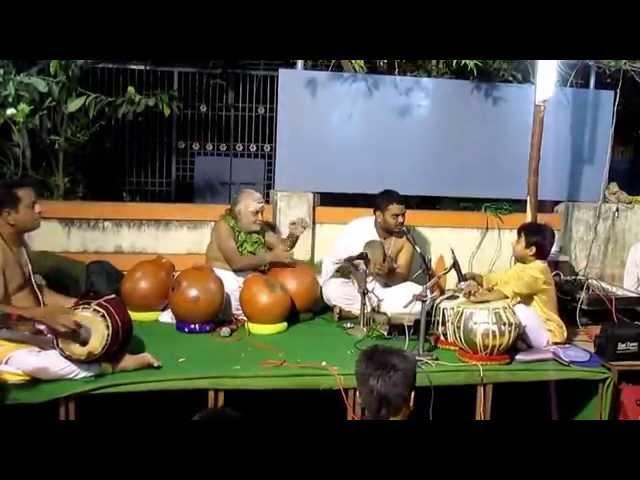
(23,302)
(388,283)
(242,242)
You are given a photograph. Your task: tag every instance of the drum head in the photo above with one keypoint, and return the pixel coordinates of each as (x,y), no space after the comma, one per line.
(98,339)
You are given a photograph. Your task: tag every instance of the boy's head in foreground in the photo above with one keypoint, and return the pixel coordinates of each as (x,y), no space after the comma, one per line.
(386,378)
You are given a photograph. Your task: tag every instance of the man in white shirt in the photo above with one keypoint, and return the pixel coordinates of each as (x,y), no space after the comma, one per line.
(388,282)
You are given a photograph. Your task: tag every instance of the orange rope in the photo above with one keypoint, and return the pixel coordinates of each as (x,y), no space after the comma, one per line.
(231,339)
(331,369)
(250,341)
(284,363)
(264,346)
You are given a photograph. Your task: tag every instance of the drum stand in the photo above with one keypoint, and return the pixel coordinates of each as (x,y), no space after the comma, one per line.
(426,298)
(365,319)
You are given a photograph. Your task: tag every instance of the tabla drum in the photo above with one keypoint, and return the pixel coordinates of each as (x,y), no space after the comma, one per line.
(443,312)
(484,332)
(105,333)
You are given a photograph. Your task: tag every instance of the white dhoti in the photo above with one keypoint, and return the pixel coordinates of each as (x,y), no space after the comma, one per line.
(534,332)
(343,293)
(47,365)
(232,282)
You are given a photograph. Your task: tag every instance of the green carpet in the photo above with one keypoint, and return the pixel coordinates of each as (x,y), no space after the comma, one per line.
(208,361)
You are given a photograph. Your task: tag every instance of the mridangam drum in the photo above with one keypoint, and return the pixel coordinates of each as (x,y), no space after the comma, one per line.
(443,312)
(485,331)
(106,326)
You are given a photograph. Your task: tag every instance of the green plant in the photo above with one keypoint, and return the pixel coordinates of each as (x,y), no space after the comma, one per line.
(356,66)
(514,71)
(75,114)
(631,67)
(21,97)
(49,104)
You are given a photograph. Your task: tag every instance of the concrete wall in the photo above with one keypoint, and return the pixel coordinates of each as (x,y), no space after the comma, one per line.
(613,235)
(126,233)
(127,236)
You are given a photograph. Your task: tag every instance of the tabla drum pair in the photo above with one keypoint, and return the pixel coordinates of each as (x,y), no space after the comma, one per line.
(443,312)
(484,332)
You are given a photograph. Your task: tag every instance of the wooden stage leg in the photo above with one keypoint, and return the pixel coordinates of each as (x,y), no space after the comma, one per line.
(67,409)
(62,409)
(484,398)
(354,408)
(479,402)
(553,397)
(215,398)
(359,411)
(602,414)
(488,397)
(351,400)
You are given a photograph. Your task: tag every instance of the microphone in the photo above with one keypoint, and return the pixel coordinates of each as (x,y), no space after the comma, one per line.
(456,267)
(410,239)
(364,256)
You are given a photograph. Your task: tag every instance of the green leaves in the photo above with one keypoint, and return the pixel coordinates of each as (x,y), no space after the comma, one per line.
(37,82)
(164,104)
(22,112)
(134,103)
(53,107)
(472,65)
(75,103)
(122,109)
(247,243)
(358,66)
(91,104)
(54,67)
(517,71)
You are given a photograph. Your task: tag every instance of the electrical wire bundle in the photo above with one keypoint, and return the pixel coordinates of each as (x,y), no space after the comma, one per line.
(591,287)
(497,210)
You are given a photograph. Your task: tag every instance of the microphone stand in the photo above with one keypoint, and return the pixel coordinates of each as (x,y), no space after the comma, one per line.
(426,261)
(426,297)
(364,293)
(361,277)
